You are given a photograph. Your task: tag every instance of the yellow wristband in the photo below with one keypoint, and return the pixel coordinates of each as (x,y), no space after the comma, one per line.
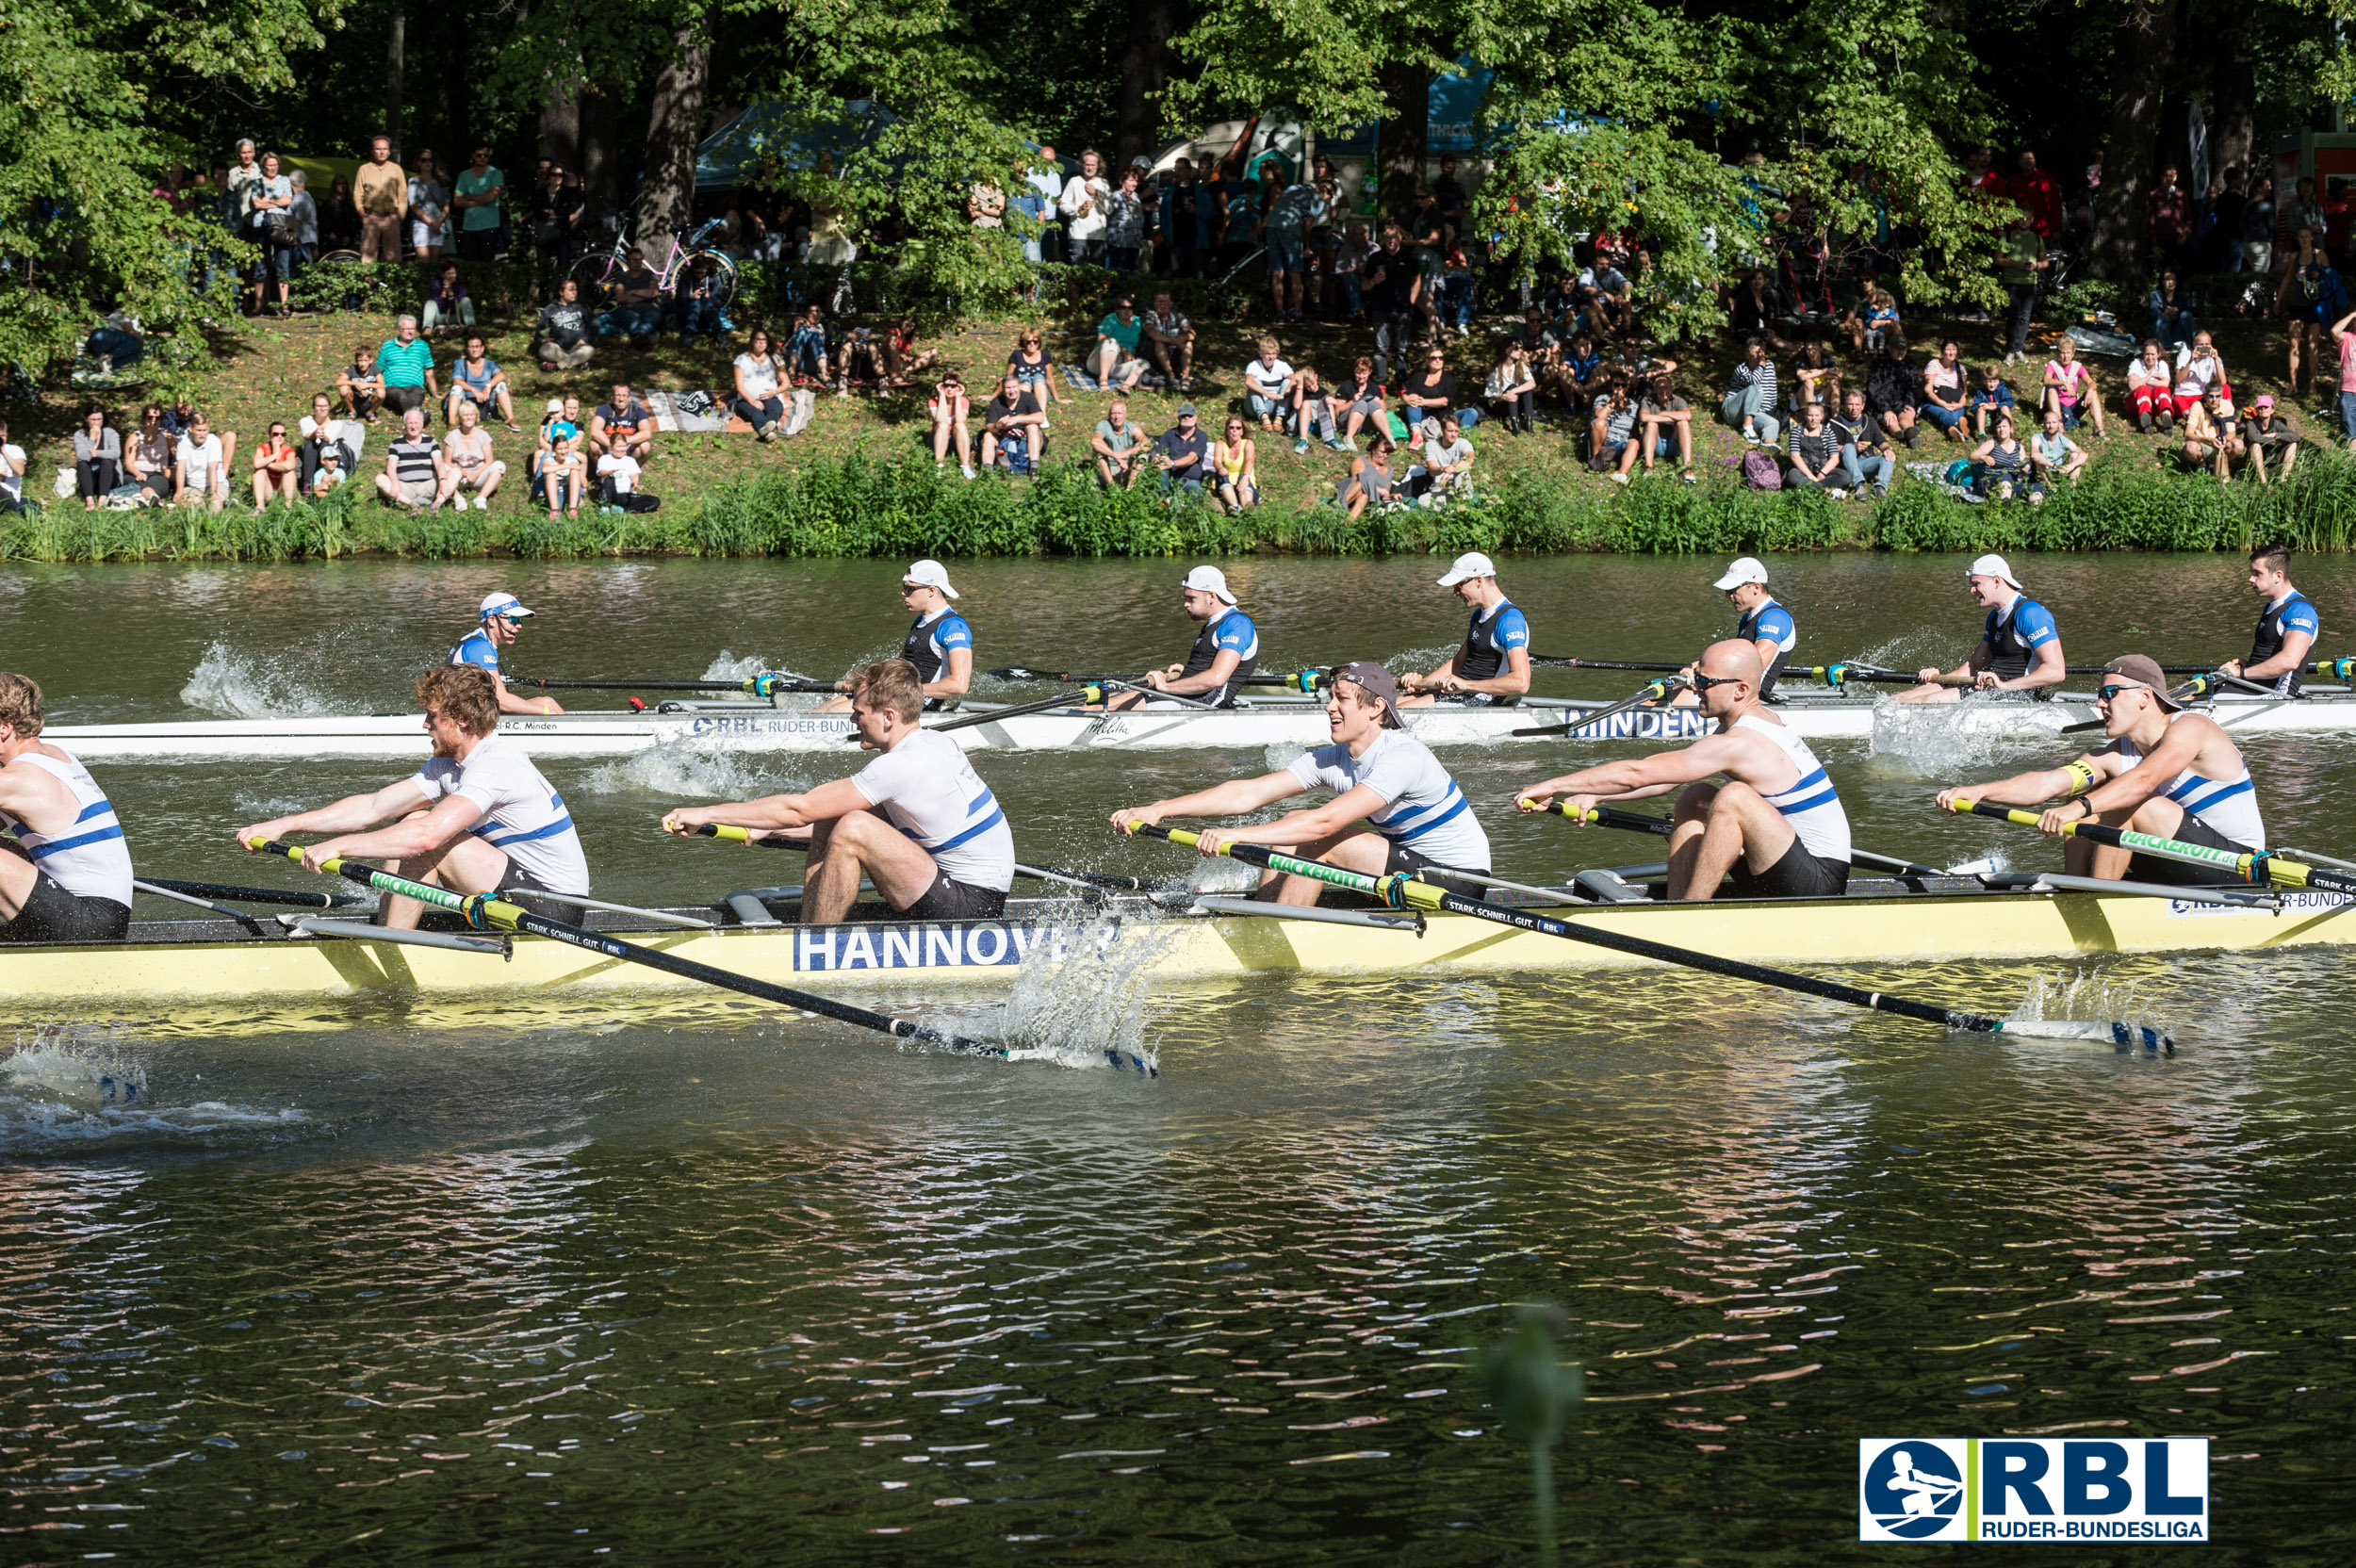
(2081,778)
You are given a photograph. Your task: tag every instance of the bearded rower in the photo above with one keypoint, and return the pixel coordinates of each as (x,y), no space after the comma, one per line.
(1777,826)
(1395,808)
(2019,648)
(2286,630)
(1226,651)
(940,644)
(1493,666)
(478,818)
(2169,772)
(66,874)
(503,617)
(918,821)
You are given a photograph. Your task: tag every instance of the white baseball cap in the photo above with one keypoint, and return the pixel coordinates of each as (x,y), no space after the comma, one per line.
(1210,579)
(1468,565)
(504,604)
(928,574)
(1748,569)
(1992,565)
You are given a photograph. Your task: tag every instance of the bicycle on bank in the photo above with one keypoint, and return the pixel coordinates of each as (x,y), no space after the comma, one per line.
(600,273)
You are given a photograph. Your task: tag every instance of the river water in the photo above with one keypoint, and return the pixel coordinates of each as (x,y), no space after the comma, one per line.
(721,1286)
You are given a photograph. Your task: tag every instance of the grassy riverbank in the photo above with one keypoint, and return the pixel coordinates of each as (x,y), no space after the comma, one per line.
(860,482)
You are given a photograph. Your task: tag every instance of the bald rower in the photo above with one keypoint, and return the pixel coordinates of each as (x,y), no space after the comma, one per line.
(1776,825)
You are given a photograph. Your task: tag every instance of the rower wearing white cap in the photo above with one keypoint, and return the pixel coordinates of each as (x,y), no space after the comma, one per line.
(502,616)
(1777,826)
(2168,773)
(1226,651)
(1395,808)
(2020,649)
(1493,663)
(1765,625)
(940,643)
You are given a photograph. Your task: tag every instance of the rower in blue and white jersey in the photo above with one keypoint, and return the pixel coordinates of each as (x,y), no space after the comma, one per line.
(939,642)
(1493,665)
(2165,772)
(2019,645)
(2286,630)
(1764,624)
(65,873)
(502,617)
(1777,826)
(1395,808)
(1226,651)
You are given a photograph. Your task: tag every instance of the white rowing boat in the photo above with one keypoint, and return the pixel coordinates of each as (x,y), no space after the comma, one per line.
(750,727)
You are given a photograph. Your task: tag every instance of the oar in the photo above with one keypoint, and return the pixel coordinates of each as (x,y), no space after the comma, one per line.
(1604,663)
(1304,680)
(486,913)
(758,685)
(2260,867)
(1093,693)
(1038,874)
(1634,822)
(1836,675)
(1401,891)
(1656,690)
(252,896)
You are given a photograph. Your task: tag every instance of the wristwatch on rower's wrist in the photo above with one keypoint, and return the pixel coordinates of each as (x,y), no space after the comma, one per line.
(2089,805)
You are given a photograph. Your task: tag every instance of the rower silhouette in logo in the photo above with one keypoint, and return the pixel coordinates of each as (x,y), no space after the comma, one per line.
(1913,1492)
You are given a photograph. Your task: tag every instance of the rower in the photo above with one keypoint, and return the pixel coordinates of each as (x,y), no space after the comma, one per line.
(1765,625)
(1493,666)
(2167,772)
(1226,651)
(1395,808)
(1777,825)
(940,643)
(2286,630)
(2019,648)
(478,818)
(917,821)
(66,875)
(502,616)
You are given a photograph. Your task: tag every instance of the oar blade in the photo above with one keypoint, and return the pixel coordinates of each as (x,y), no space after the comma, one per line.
(2115,1032)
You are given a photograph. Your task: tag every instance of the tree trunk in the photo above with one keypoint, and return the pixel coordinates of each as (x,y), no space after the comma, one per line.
(599,115)
(667,201)
(395,49)
(1144,71)
(2143,52)
(560,116)
(2233,103)
(460,126)
(1406,134)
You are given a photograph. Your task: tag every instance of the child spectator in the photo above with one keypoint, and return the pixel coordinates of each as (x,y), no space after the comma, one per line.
(1269,381)
(1873,324)
(1991,398)
(2070,387)
(1312,410)
(360,386)
(2052,457)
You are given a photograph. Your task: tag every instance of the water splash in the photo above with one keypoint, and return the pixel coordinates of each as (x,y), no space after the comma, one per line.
(1951,741)
(233,685)
(2083,997)
(70,1086)
(678,769)
(727,666)
(1090,1009)
(1419,659)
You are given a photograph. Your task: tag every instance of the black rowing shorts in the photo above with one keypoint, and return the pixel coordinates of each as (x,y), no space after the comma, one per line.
(2180,873)
(51,914)
(948,899)
(517,885)
(1403,858)
(1798,874)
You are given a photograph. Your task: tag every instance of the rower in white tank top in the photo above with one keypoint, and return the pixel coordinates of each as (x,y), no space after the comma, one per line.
(92,858)
(2227,807)
(70,877)
(1810,804)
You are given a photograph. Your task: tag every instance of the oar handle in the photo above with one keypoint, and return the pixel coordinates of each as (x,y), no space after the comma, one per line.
(1602,816)
(758,685)
(1644,665)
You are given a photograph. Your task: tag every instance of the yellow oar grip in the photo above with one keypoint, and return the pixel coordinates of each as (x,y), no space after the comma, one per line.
(733,835)
(1560,808)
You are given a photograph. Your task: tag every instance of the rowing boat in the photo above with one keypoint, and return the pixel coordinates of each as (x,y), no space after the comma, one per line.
(1174,939)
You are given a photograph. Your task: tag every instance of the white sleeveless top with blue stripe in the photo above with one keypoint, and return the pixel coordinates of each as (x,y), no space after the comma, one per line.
(1812,805)
(2225,805)
(521,814)
(929,790)
(1423,809)
(89,859)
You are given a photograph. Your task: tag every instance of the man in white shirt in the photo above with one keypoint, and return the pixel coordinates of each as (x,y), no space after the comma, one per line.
(1270,381)
(478,818)
(917,821)
(619,472)
(1083,208)
(1395,808)
(200,466)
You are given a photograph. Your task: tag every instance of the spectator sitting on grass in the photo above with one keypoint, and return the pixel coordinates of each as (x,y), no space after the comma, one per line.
(1864,448)
(638,301)
(467,451)
(1313,409)
(757,401)
(2070,387)
(1811,377)
(1183,453)
(1992,397)
(333,473)
(562,332)
(477,379)
(1369,481)
(1115,363)
(147,453)
(447,301)
(2000,463)
(1429,396)
(1943,392)
(276,469)
(903,359)
(1447,467)
(1815,455)
(1667,424)
(1579,360)
(12,461)
(2052,457)
(2171,308)
(1235,465)
(406,363)
(1750,402)
(1361,397)
(2272,440)
(1269,382)
(1890,385)
(1170,341)
(623,426)
(1033,365)
(2150,388)
(948,409)
(564,472)
(1014,430)
(860,363)
(360,384)
(1874,323)
(1511,389)
(414,475)
(1120,446)
(2201,370)
(321,431)
(562,410)
(809,354)
(97,459)
(199,465)
(1613,431)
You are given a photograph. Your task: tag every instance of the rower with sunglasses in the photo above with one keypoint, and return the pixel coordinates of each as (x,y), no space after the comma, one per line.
(2167,772)
(1776,825)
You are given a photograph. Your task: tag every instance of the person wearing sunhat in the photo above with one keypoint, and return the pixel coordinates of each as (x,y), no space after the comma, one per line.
(1225,652)
(2167,772)
(940,644)
(2019,648)
(1493,665)
(502,617)
(1765,625)
(1395,808)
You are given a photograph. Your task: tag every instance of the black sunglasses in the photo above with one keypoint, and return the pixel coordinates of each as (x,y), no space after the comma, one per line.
(1703,682)
(2110,692)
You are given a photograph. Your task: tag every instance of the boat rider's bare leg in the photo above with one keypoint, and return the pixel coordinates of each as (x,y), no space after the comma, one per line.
(862,845)
(465,865)
(1368,853)
(1735,823)
(1933,694)
(17,877)
(2159,816)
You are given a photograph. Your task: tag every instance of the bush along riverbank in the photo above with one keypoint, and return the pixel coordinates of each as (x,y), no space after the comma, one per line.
(861,507)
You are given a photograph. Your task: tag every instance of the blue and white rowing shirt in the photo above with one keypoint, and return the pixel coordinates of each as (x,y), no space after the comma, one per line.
(476,648)
(2226,806)
(521,814)
(1810,805)
(89,859)
(1422,808)
(2014,633)
(931,794)
(1230,628)
(930,638)
(1770,622)
(1488,636)
(2289,613)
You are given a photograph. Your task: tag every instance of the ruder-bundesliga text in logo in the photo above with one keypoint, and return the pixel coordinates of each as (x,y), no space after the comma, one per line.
(2032,1488)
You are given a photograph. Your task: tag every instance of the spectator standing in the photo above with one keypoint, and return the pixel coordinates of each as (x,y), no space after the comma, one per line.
(756,400)
(1429,396)
(1082,206)
(1394,288)
(414,475)
(2168,220)
(948,409)
(1815,455)
(447,301)
(476,378)
(338,218)
(303,216)
(2257,229)
(429,208)
(269,225)
(556,211)
(1183,453)
(1235,465)
(277,474)
(97,459)
(2273,441)
(2070,388)
(1864,449)
(986,204)
(2053,457)
(561,335)
(2037,194)
(238,183)
(1170,341)
(2345,341)
(406,364)
(1045,179)
(2151,387)
(1269,383)
(477,199)
(1124,223)
(1666,424)
(1943,392)
(2310,297)
(1511,390)
(1349,260)
(1324,241)
(1447,198)
(1749,405)
(148,455)
(622,425)
(2022,264)
(200,466)
(1292,213)
(1120,446)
